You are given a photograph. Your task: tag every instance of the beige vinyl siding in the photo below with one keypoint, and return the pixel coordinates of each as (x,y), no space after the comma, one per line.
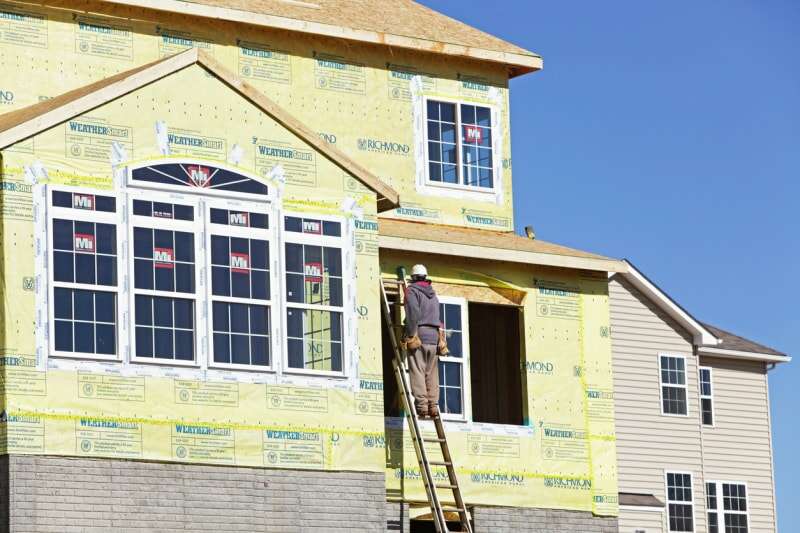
(632,519)
(738,447)
(649,443)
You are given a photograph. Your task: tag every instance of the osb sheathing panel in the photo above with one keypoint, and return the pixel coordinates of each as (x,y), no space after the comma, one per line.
(356,96)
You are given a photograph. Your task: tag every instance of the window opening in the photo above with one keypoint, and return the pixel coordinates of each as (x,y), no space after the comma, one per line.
(241,291)
(451,367)
(164,280)
(314,294)
(679,502)
(673,385)
(460,143)
(731,516)
(706,397)
(84,286)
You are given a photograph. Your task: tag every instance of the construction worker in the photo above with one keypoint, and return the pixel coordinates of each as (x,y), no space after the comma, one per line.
(424,339)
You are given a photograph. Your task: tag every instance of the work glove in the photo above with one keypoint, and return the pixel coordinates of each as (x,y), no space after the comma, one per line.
(441,347)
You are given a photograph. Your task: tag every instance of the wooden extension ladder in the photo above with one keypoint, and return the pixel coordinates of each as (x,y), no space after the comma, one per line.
(398,288)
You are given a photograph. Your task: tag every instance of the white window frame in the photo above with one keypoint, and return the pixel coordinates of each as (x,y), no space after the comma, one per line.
(274,302)
(459,188)
(720,510)
(679,502)
(90,216)
(709,397)
(466,390)
(348,283)
(125,191)
(200,325)
(661,384)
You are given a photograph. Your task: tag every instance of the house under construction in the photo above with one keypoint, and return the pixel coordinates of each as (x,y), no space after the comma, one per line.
(207,210)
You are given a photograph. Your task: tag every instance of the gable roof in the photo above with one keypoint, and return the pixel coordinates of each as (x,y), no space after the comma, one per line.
(730,342)
(708,340)
(400,23)
(700,334)
(24,123)
(485,244)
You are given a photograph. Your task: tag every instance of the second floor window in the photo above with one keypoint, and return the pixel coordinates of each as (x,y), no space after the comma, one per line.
(673,385)
(706,397)
(459,145)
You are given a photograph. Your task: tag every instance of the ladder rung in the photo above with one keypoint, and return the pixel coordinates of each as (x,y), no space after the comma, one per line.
(453,510)
(432,439)
(440,463)
(451,487)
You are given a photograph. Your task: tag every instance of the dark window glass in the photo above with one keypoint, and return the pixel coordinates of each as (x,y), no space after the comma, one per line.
(241,333)
(164,327)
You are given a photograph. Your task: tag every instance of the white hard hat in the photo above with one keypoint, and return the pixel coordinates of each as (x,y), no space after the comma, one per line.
(419,270)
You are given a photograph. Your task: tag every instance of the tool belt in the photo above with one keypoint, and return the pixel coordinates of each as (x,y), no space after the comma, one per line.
(411,343)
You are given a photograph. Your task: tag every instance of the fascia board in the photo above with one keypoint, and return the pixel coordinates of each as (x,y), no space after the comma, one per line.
(738,354)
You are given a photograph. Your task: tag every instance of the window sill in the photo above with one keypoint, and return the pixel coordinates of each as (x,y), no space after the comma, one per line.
(242,368)
(85,357)
(164,362)
(314,373)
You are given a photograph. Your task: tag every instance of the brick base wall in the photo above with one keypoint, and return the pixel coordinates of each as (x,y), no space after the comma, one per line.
(64,495)
(540,520)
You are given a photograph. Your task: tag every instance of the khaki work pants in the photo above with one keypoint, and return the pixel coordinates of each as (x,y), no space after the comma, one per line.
(423,366)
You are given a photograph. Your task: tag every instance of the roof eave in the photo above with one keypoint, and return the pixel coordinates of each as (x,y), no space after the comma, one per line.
(392,242)
(517,63)
(739,354)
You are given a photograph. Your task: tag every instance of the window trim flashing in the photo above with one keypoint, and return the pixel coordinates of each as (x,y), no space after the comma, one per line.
(661,384)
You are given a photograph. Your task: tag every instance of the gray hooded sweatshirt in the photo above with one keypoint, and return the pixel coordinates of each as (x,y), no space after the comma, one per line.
(422,312)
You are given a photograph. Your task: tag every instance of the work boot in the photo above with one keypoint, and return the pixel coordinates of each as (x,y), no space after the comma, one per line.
(422,413)
(433,411)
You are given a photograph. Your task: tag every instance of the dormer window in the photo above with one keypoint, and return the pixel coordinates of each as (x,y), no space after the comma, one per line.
(459,145)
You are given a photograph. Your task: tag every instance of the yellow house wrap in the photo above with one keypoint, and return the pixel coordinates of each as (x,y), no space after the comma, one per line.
(307,130)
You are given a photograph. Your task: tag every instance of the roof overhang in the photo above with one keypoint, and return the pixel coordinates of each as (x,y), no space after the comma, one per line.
(24,123)
(518,63)
(738,354)
(498,254)
(700,334)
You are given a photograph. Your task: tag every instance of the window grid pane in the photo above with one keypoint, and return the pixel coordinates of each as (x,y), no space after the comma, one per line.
(84,252)
(442,143)
(241,333)
(673,385)
(476,143)
(706,398)
(164,328)
(314,339)
(679,498)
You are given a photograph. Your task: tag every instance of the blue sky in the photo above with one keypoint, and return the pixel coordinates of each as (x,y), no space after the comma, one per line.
(669,133)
